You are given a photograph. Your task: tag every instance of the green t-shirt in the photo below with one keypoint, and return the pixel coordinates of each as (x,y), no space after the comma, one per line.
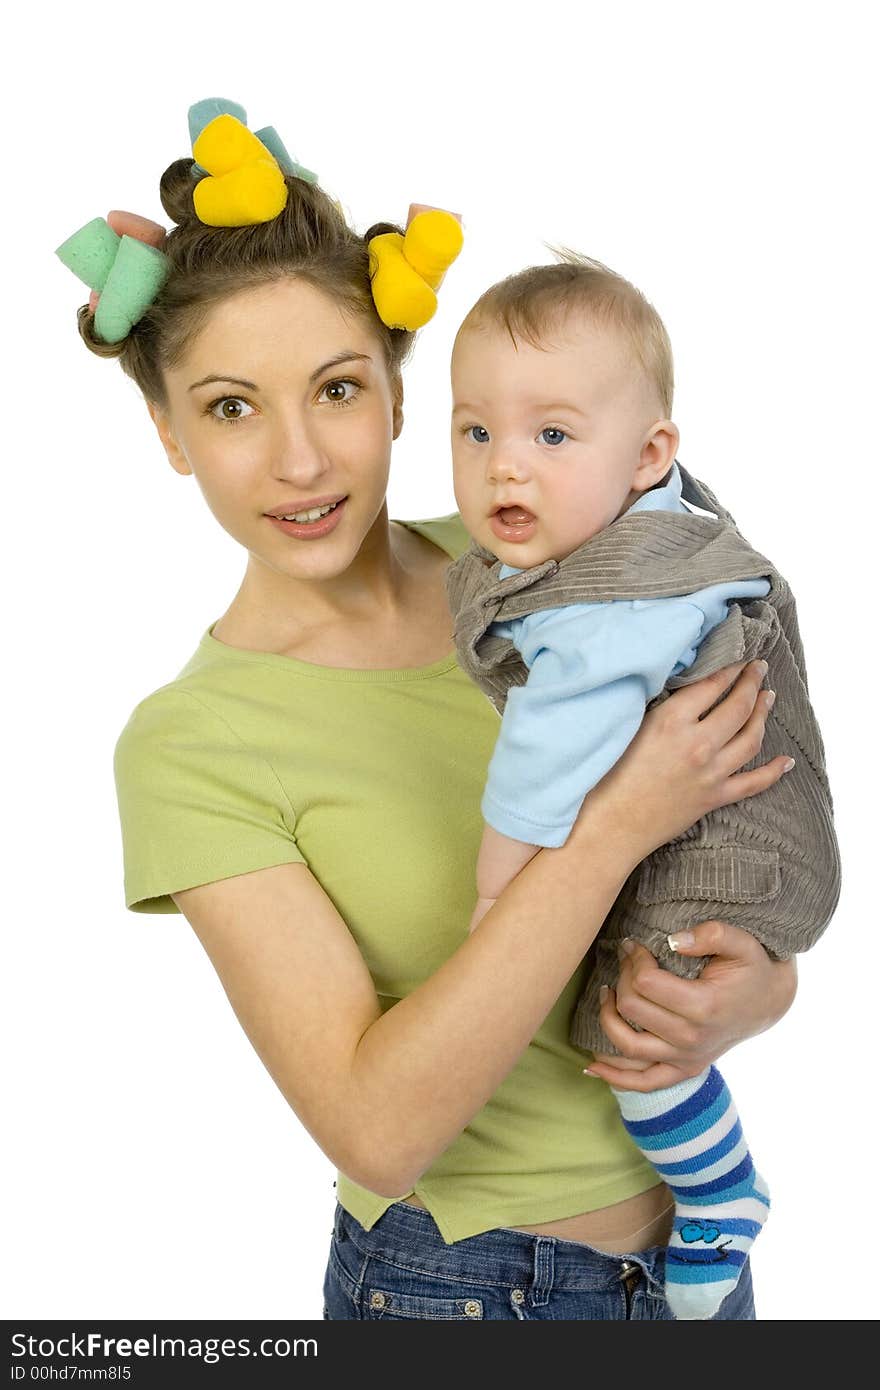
(373,779)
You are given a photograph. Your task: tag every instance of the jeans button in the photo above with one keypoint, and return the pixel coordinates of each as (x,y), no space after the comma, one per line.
(472,1308)
(377,1300)
(518,1296)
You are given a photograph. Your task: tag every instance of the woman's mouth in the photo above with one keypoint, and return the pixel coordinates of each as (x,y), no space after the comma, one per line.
(311,524)
(513,524)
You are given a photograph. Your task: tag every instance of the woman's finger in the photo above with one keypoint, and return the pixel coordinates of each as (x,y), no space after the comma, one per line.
(662,988)
(644,1047)
(744,784)
(692,701)
(715,937)
(624,1063)
(641,998)
(746,743)
(416,208)
(652,1017)
(654,1078)
(733,712)
(141,228)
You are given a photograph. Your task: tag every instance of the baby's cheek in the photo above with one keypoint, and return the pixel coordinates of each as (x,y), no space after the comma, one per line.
(473,516)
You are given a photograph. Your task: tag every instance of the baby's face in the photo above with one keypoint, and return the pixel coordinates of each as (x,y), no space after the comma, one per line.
(547,442)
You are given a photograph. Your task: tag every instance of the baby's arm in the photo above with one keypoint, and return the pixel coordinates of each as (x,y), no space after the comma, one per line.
(592,670)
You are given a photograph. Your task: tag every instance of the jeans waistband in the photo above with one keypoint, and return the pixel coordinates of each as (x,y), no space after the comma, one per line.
(407,1237)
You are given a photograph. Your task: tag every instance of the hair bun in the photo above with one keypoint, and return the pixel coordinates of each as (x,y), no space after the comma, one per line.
(381,229)
(176,190)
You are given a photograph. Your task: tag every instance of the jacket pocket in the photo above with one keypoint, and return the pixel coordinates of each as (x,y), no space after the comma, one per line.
(719,873)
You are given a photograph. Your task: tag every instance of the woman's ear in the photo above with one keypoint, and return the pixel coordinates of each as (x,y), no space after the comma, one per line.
(657,454)
(176,457)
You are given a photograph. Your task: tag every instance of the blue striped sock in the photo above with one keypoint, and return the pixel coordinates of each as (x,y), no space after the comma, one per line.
(692,1135)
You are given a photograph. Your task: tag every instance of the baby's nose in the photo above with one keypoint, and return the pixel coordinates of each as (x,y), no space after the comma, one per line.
(505,464)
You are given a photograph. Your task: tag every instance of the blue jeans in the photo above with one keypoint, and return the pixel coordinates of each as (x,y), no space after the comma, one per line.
(402,1269)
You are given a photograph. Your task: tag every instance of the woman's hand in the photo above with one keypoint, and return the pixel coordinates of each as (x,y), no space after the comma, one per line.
(133,225)
(684,762)
(690,1023)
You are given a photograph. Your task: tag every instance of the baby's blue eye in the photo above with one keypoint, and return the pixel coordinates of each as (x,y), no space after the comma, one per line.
(478,434)
(552,436)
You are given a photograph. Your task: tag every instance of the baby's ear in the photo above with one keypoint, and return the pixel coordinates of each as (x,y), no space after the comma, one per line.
(657,454)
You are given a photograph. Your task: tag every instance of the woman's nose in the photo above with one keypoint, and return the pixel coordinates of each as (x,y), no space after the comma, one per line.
(296,455)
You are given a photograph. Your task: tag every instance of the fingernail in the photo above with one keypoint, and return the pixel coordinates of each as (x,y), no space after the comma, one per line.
(587,1072)
(763,667)
(770,698)
(682,938)
(789,764)
(603,993)
(627,946)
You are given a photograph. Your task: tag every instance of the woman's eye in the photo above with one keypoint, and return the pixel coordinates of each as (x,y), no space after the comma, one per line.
(477,434)
(230,408)
(339,392)
(552,436)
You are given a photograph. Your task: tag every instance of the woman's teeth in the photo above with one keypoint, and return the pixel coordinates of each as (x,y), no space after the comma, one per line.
(312,514)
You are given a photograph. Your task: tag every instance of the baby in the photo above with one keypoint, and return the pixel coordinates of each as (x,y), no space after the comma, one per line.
(601,575)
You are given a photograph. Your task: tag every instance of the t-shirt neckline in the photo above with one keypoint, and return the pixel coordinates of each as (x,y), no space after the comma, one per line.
(210,646)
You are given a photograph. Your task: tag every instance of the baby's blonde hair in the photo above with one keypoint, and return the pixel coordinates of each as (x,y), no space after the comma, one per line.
(533,302)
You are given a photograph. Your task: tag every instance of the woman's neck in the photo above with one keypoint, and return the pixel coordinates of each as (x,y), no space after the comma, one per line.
(368,610)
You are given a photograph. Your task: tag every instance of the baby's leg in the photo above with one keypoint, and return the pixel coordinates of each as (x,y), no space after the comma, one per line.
(692,1136)
(479,912)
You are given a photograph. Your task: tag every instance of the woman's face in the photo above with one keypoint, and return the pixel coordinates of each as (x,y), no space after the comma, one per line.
(283,404)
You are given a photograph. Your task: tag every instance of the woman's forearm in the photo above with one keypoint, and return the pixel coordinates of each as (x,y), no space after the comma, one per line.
(424,1069)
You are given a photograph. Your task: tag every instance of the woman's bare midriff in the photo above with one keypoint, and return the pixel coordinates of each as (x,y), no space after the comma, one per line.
(635,1224)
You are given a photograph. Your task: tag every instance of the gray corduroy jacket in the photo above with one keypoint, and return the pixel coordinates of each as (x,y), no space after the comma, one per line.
(770,863)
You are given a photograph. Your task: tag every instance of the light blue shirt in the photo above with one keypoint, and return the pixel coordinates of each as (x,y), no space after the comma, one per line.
(593,668)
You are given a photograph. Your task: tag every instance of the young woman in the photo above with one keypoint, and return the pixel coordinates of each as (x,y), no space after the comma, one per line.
(307,794)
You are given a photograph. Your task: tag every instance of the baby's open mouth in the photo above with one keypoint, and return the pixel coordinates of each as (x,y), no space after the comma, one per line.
(515,516)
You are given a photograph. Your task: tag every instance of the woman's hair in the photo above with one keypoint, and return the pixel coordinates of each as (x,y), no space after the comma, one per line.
(536,301)
(309,238)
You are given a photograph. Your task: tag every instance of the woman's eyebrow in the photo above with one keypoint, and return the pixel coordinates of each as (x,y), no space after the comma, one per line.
(233,380)
(338,360)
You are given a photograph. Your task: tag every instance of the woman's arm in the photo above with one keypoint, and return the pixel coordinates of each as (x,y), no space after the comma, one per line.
(384,1094)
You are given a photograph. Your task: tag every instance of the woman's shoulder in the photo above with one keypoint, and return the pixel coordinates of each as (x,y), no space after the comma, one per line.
(198,798)
(448,532)
(205,697)
(172,717)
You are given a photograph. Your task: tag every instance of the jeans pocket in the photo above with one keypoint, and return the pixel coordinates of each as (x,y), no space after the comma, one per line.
(390,1305)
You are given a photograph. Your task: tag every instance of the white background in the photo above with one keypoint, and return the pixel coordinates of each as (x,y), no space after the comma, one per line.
(722,157)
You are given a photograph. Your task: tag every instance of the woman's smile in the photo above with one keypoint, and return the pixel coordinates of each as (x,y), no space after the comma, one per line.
(310,523)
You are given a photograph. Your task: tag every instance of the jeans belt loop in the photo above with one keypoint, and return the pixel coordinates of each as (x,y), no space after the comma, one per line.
(543,1270)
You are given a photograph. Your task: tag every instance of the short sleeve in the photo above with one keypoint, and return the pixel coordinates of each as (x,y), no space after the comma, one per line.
(195,803)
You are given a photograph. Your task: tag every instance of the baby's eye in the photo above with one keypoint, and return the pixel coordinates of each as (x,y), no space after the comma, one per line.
(477,434)
(338,392)
(550,435)
(231,408)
